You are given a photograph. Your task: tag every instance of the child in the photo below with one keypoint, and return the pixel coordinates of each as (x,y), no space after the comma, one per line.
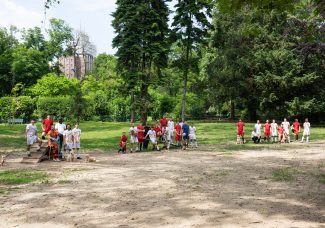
(258,127)
(267,131)
(123,141)
(68,140)
(152,135)
(60,128)
(281,134)
(46,125)
(158,131)
(53,139)
(76,132)
(274,131)
(286,126)
(178,136)
(133,137)
(192,136)
(140,130)
(31,136)
(185,133)
(296,129)
(240,132)
(306,131)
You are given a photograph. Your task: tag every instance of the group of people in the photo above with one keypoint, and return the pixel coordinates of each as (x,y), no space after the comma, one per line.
(273,131)
(60,137)
(166,132)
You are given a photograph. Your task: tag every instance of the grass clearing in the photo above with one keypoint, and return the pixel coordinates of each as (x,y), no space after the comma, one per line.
(16,177)
(284,174)
(322,178)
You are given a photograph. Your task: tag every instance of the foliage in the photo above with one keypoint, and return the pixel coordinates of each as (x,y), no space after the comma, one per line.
(59,106)
(16,107)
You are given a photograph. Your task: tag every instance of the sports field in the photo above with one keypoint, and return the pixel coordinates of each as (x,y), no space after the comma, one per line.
(105,136)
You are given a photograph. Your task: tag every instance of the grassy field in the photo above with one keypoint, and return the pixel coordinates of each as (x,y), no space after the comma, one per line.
(105,135)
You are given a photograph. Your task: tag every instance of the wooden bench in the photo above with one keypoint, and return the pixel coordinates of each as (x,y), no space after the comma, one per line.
(16,121)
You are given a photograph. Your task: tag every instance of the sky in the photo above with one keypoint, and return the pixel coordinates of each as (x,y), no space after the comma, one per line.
(92,16)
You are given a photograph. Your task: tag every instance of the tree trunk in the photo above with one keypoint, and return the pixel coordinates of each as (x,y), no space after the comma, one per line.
(232,110)
(185,75)
(132,107)
(144,108)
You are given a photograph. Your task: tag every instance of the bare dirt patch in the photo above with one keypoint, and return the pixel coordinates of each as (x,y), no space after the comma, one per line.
(195,188)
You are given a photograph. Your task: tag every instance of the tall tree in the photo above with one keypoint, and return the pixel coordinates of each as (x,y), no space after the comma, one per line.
(190,27)
(142,45)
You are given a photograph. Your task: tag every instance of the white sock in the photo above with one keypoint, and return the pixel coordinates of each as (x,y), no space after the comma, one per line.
(62,153)
(307,140)
(302,139)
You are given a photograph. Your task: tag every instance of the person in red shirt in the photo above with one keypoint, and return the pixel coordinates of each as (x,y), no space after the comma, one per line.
(140,130)
(158,131)
(240,132)
(296,129)
(281,134)
(267,131)
(163,121)
(53,139)
(178,136)
(123,141)
(46,125)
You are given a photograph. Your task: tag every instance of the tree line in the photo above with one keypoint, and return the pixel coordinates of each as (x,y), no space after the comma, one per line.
(249,59)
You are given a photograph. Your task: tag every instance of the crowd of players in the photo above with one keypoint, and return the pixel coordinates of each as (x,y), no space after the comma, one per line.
(274,132)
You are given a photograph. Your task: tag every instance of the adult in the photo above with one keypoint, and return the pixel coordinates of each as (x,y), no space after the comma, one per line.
(60,128)
(286,127)
(133,137)
(31,136)
(46,125)
(296,129)
(240,132)
(274,131)
(258,127)
(306,131)
(146,138)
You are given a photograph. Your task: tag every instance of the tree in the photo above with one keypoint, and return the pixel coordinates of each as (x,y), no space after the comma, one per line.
(142,46)
(33,38)
(190,27)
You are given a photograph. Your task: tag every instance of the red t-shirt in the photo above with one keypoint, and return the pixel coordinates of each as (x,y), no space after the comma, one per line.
(280,130)
(47,125)
(140,131)
(267,128)
(178,128)
(123,139)
(296,126)
(157,129)
(240,126)
(163,122)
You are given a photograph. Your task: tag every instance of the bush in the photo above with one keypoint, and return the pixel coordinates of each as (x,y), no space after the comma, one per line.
(16,107)
(58,106)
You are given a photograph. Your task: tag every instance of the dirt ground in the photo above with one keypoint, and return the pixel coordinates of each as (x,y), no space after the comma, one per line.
(195,188)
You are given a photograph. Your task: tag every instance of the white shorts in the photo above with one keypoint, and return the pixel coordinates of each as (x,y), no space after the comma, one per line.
(274,133)
(170,136)
(192,136)
(31,139)
(287,131)
(76,145)
(69,146)
(153,140)
(306,133)
(133,139)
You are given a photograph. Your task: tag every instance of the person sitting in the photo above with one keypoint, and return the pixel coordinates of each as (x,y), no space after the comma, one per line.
(255,137)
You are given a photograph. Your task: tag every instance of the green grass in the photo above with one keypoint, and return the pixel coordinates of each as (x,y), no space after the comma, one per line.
(105,135)
(15,177)
(322,178)
(283,174)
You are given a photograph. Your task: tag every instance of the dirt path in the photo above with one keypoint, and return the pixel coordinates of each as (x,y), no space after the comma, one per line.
(175,189)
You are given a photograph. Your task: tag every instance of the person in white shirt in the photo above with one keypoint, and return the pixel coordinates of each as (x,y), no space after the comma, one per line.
(306,131)
(255,136)
(170,132)
(133,137)
(68,140)
(258,127)
(153,138)
(192,136)
(274,131)
(286,127)
(31,136)
(76,132)
(60,127)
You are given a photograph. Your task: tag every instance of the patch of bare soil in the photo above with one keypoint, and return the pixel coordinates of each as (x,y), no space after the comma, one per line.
(193,188)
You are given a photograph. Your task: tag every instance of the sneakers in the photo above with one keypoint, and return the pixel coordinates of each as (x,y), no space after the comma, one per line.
(29,154)
(79,158)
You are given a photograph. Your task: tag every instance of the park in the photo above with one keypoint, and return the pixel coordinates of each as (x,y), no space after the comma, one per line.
(162,113)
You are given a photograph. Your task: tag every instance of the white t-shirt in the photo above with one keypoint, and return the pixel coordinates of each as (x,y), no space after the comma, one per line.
(192,130)
(254,134)
(60,128)
(171,126)
(31,130)
(286,126)
(134,130)
(76,132)
(307,128)
(152,134)
(68,136)
(274,129)
(258,128)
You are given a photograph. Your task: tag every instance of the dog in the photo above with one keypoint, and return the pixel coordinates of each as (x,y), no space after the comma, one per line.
(90,159)
(71,157)
(2,160)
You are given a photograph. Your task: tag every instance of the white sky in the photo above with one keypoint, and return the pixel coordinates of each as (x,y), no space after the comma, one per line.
(92,16)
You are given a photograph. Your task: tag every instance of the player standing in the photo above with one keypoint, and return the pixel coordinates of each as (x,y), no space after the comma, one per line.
(31,136)
(258,127)
(281,134)
(140,130)
(152,135)
(296,129)
(274,131)
(185,133)
(133,137)
(170,132)
(286,127)
(46,125)
(267,131)
(178,136)
(306,131)
(240,132)
(192,135)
